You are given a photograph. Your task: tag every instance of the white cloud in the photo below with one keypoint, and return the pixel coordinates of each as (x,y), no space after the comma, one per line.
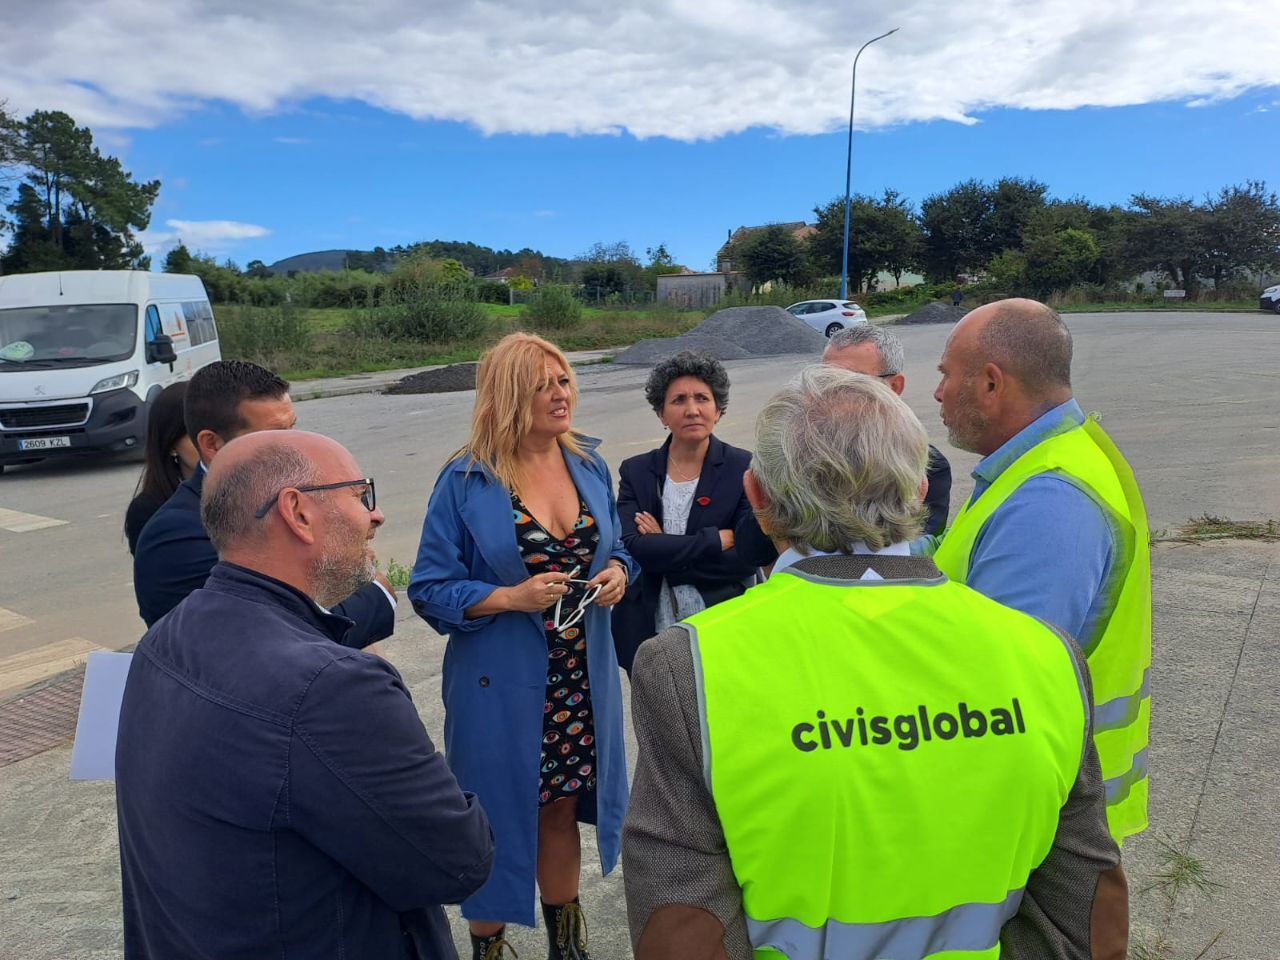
(659,68)
(216,237)
(291,141)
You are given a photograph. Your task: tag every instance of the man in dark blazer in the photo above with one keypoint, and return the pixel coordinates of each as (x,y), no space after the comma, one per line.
(277,795)
(225,400)
(697,558)
(874,351)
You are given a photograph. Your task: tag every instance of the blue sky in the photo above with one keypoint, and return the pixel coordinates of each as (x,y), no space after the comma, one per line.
(331,175)
(293,126)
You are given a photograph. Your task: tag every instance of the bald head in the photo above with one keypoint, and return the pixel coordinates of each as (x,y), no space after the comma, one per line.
(1004,365)
(255,467)
(1026,339)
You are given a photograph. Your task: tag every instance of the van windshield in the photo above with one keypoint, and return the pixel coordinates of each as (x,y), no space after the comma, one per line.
(70,335)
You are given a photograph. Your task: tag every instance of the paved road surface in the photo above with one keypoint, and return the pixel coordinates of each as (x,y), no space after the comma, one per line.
(1190,398)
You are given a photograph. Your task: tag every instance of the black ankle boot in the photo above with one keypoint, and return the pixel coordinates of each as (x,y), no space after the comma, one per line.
(491,948)
(566,931)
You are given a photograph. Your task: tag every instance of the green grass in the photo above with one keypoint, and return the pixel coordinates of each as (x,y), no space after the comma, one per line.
(1170,306)
(334,351)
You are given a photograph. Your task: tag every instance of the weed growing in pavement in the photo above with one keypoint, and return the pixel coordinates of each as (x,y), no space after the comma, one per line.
(1207,527)
(1181,874)
(398,574)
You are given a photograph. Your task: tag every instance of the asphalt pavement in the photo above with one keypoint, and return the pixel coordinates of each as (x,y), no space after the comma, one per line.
(1190,398)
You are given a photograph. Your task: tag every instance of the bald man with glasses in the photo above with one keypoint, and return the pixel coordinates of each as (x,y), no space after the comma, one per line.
(277,794)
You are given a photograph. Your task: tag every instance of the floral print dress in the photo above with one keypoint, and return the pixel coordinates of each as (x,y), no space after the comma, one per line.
(568,763)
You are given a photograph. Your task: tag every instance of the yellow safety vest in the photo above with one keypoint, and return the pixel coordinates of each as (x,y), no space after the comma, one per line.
(1119,652)
(888,760)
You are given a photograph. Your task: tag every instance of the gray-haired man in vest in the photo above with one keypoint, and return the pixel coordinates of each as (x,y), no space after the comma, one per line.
(861,758)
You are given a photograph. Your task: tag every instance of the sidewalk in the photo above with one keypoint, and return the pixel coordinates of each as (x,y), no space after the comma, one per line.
(1215,766)
(378,381)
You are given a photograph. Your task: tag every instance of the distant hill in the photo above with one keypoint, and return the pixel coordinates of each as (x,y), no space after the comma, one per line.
(481,261)
(312,262)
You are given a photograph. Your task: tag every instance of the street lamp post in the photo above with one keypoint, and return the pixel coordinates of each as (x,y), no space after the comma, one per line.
(848,166)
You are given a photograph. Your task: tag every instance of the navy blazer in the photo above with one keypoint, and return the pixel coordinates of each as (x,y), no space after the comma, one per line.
(174,557)
(694,558)
(938,499)
(277,795)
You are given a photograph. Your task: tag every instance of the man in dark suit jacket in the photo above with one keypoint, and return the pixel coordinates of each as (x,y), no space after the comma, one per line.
(697,558)
(277,795)
(874,351)
(225,400)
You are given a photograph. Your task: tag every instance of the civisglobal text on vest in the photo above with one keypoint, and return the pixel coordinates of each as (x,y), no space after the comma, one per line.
(909,730)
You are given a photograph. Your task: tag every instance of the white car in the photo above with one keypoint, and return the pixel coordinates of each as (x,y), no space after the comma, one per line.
(1270,299)
(828,316)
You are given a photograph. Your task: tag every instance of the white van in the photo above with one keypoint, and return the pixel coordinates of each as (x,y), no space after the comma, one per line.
(84,352)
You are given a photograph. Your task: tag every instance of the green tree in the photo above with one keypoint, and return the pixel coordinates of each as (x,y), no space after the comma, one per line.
(959,230)
(1168,234)
(884,235)
(611,271)
(1059,260)
(1242,231)
(773,254)
(258,270)
(1105,224)
(1014,201)
(81,204)
(660,262)
(178,260)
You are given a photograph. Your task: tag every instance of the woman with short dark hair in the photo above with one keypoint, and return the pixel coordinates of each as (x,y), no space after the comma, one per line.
(685,518)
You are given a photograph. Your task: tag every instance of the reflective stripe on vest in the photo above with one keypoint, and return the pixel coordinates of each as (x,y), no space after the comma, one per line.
(1121,711)
(967,927)
(888,760)
(1120,651)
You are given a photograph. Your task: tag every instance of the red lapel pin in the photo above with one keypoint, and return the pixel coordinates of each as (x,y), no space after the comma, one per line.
(704,501)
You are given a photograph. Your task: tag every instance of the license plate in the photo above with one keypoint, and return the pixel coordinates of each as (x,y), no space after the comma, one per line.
(44,443)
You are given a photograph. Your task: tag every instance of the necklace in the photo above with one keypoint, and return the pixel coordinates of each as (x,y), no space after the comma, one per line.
(676,476)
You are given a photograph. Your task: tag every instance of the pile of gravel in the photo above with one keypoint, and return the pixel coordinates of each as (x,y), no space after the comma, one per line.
(456,376)
(733,334)
(936,312)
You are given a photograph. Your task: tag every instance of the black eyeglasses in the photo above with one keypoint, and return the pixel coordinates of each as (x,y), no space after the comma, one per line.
(369,498)
(885,376)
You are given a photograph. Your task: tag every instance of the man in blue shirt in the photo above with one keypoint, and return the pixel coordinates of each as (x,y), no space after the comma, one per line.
(1006,386)
(1056,526)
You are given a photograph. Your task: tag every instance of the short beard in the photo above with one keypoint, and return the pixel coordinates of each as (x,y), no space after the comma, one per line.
(967,424)
(335,578)
(344,567)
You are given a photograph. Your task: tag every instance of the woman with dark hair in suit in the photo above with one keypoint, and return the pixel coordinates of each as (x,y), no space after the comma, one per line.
(170,458)
(685,518)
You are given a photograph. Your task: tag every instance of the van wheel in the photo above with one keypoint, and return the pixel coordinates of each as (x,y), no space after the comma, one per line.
(833,329)
(1276,306)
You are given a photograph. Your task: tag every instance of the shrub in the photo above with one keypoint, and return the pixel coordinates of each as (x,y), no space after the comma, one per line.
(553,307)
(265,335)
(425,312)
(489,291)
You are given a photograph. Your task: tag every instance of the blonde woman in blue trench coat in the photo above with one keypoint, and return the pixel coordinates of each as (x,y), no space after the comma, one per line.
(519,561)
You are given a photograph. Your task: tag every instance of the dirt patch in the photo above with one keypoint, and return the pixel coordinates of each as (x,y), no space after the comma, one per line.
(734,334)
(936,312)
(450,379)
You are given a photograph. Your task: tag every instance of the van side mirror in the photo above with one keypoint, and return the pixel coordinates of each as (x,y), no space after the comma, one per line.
(160,350)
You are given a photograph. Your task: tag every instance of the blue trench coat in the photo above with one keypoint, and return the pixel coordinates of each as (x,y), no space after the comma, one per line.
(495,672)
